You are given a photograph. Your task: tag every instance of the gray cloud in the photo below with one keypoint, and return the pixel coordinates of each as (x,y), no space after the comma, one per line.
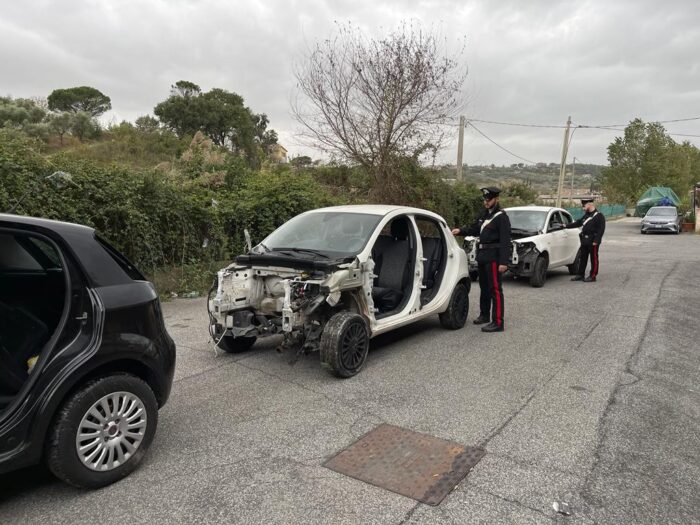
(534,62)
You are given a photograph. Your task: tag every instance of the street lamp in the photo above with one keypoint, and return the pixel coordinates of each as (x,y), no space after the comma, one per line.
(59,179)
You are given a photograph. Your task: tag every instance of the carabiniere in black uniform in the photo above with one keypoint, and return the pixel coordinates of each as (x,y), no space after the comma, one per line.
(592,226)
(493,255)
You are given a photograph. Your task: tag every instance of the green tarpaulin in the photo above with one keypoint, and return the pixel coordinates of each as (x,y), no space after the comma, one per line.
(652,197)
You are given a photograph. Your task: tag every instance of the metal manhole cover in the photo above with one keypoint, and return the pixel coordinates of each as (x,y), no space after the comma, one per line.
(419,466)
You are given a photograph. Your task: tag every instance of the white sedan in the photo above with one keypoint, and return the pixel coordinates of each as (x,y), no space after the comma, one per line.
(540,243)
(328,280)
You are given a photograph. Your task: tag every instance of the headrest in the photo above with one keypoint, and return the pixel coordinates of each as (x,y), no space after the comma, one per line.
(399,229)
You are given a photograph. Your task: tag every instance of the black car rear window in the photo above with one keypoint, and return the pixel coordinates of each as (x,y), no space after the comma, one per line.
(122,261)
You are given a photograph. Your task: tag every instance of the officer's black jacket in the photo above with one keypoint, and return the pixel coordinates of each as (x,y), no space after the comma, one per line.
(496,235)
(592,226)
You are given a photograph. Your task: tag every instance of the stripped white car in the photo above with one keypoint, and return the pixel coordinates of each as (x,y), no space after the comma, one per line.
(540,243)
(330,279)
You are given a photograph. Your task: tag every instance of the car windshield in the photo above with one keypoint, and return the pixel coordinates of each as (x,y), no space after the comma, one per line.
(527,220)
(668,212)
(332,233)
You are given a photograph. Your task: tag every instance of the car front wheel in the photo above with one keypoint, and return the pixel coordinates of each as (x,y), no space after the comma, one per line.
(102,431)
(539,273)
(345,344)
(458,309)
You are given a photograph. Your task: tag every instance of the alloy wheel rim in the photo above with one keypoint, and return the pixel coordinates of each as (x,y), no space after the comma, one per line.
(353,346)
(111,431)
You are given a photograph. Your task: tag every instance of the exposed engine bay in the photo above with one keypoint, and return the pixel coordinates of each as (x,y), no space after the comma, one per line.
(250,301)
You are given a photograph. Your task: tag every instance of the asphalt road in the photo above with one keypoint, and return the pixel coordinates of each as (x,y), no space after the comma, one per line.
(591,396)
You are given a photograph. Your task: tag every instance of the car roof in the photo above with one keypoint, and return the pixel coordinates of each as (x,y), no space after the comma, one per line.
(533,208)
(376,209)
(57,226)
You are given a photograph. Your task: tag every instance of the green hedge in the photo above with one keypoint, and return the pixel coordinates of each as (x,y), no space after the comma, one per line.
(160,219)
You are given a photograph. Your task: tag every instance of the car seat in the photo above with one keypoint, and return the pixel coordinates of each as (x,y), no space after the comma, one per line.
(392,258)
(22,336)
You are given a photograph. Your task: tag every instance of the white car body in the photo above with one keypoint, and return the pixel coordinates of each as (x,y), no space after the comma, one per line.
(258,296)
(544,238)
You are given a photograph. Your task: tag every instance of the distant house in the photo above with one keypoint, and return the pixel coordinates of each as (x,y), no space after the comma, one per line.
(277,153)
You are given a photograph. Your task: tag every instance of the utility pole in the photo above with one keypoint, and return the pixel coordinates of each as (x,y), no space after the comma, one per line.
(460,147)
(573,172)
(562,169)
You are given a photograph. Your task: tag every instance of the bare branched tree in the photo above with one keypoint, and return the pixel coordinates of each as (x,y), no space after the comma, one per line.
(377,101)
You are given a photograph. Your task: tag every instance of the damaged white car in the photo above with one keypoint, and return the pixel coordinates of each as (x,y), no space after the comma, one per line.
(540,242)
(328,280)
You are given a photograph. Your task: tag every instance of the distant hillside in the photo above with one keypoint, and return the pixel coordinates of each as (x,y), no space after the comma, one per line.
(542,177)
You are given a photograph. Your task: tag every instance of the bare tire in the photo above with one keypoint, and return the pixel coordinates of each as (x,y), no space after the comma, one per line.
(235,345)
(102,431)
(573,268)
(539,273)
(345,344)
(457,311)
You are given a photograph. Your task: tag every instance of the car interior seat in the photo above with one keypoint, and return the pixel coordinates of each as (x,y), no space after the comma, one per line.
(392,258)
(432,253)
(22,336)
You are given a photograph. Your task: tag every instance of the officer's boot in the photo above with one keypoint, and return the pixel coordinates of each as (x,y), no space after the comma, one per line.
(492,327)
(482,319)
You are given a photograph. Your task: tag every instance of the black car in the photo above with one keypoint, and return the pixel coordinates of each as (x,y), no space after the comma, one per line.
(85,359)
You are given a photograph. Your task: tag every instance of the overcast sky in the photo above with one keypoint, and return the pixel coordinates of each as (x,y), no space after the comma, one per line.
(536,62)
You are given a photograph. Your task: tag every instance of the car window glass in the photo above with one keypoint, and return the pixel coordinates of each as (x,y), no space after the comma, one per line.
(121,260)
(14,256)
(567,217)
(47,250)
(527,220)
(336,232)
(671,212)
(428,228)
(555,220)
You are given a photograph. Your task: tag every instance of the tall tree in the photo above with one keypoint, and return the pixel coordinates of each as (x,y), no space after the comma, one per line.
(219,114)
(647,156)
(375,101)
(77,99)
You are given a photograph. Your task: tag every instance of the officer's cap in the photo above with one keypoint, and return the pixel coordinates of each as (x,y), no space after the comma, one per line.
(490,192)
(586,200)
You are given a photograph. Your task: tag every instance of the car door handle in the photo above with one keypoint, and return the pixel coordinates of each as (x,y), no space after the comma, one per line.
(83,317)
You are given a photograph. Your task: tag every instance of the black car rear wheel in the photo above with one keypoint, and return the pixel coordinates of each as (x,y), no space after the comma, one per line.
(345,344)
(573,268)
(102,431)
(458,309)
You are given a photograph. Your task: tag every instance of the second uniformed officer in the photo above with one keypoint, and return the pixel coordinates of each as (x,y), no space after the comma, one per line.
(493,229)
(592,226)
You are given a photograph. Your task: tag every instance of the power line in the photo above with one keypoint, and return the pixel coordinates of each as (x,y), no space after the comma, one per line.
(621,128)
(469,123)
(650,122)
(558,126)
(516,124)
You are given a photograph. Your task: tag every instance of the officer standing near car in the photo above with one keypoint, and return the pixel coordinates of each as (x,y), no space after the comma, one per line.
(493,230)
(592,226)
